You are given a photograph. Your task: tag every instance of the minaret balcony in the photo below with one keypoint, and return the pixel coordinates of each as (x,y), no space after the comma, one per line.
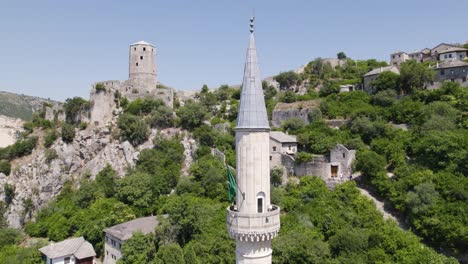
(253,226)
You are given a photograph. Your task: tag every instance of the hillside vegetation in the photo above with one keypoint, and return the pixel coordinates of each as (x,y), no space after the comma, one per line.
(429,188)
(20,106)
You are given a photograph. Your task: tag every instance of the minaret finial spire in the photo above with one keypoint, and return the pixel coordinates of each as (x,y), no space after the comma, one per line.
(252,19)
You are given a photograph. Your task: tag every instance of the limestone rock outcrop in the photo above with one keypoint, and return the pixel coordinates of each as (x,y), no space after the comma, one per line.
(35,178)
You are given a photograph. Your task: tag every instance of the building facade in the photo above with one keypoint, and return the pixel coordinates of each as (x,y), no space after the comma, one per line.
(281,144)
(115,236)
(70,251)
(252,220)
(450,71)
(398,58)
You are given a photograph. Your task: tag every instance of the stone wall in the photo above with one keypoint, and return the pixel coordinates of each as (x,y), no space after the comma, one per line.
(285,111)
(317,167)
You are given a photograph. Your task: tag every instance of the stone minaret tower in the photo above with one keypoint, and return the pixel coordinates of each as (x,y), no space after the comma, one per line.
(142,66)
(252,221)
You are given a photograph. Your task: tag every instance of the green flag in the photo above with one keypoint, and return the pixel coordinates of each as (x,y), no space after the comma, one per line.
(232,187)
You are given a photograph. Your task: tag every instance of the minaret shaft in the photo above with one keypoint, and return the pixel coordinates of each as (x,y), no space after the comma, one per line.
(253,221)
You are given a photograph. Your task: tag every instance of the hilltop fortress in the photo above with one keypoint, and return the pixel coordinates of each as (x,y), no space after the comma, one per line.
(105,95)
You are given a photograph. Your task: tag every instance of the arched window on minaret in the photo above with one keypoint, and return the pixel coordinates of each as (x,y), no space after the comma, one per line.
(260,202)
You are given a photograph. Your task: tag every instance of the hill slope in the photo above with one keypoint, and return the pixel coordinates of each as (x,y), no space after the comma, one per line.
(20,106)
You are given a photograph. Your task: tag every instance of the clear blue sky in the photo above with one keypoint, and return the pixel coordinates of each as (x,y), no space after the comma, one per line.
(58,48)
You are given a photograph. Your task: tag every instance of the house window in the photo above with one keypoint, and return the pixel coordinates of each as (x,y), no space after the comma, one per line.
(271,157)
(144,49)
(461,56)
(274,148)
(450,55)
(120,246)
(50,261)
(66,260)
(452,80)
(393,56)
(107,252)
(136,64)
(134,48)
(289,147)
(141,57)
(442,72)
(344,155)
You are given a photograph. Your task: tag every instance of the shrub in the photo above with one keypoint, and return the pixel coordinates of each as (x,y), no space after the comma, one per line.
(9,191)
(83,125)
(100,88)
(5,167)
(302,157)
(68,133)
(162,117)
(50,138)
(50,155)
(385,97)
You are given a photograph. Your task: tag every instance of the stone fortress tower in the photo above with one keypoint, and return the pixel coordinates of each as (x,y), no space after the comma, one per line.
(253,221)
(142,83)
(142,66)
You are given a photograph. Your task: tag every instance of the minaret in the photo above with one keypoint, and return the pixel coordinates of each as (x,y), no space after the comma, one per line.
(252,221)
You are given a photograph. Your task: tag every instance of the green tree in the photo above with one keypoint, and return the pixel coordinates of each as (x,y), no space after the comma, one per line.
(192,115)
(341,55)
(133,129)
(139,249)
(137,190)
(287,79)
(422,199)
(74,107)
(415,76)
(170,254)
(105,179)
(387,80)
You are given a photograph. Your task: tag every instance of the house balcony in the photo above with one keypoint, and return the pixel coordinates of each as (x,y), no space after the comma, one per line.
(253,227)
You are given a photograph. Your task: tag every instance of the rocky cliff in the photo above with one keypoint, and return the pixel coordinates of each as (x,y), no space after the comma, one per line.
(9,127)
(41,179)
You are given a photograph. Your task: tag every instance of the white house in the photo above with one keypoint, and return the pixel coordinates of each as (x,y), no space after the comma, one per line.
(116,236)
(71,251)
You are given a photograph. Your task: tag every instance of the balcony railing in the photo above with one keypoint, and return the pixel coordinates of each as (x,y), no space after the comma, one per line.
(260,224)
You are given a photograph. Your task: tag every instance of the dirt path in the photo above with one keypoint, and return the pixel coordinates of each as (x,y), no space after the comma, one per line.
(381,207)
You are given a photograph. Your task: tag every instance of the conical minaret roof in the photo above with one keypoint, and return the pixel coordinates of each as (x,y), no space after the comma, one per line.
(252,111)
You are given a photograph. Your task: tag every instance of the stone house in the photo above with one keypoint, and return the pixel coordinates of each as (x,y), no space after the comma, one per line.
(374,74)
(281,144)
(335,168)
(71,251)
(115,236)
(398,58)
(452,71)
(453,53)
